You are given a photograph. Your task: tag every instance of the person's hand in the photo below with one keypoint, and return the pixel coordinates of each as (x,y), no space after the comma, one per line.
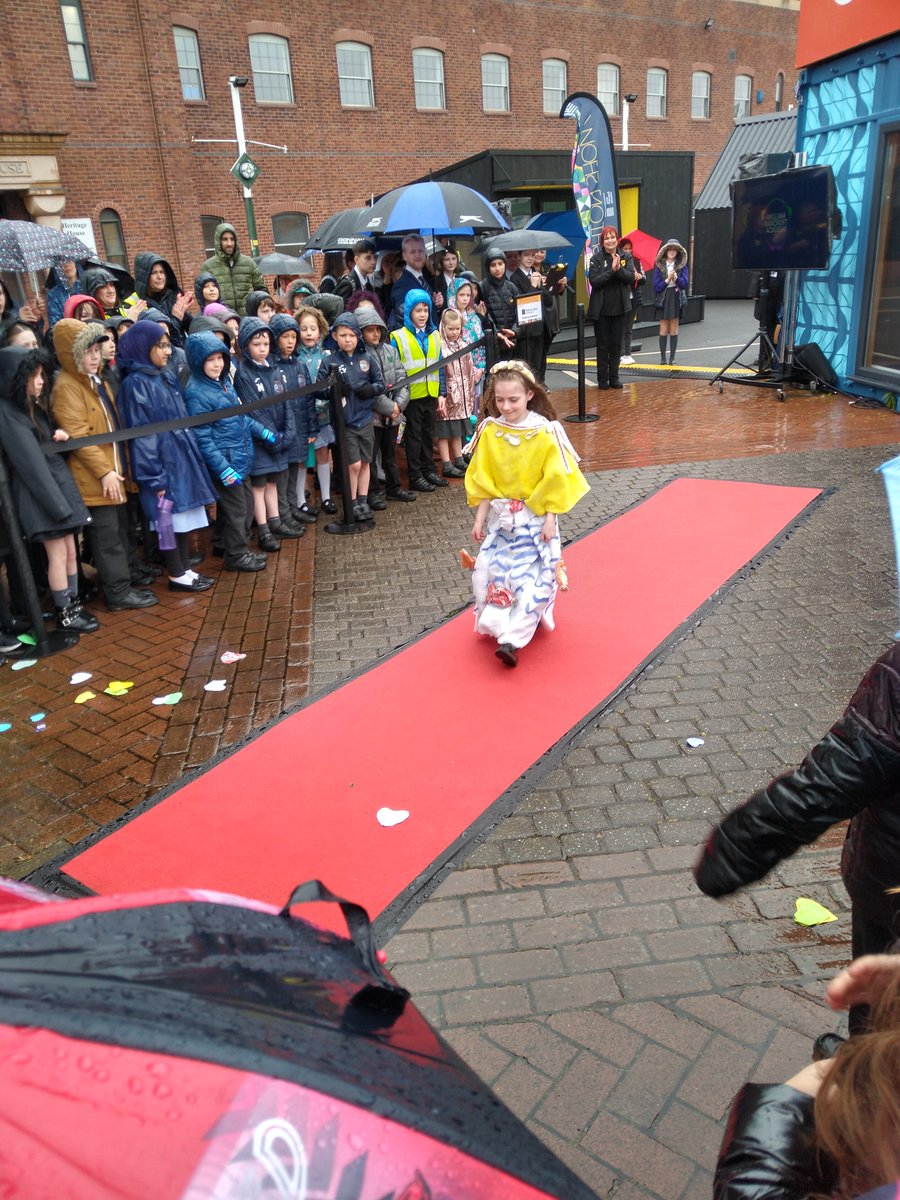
(179,308)
(230,477)
(810,1079)
(132,314)
(438,299)
(863,981)
(481,308)
(507,337)
(442,406)
(395,412)
(537,279)
(478,531)
(111,483)
(161,494)
(548,529)
(60,435)
(28,314)
(616,262)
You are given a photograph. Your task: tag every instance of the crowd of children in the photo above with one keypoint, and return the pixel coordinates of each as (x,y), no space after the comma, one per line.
(103,350)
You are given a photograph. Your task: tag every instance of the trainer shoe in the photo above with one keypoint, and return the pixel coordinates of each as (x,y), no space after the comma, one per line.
(626,361)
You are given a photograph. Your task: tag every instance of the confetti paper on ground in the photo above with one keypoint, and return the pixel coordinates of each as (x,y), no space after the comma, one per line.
(810,912)
(25,662)
(694,742)
(215,685)
(118,687)
(27,639)
(84,696)
(81,677)
(391,816)
(171,698)
(232,656)
(4,725)
(35,717)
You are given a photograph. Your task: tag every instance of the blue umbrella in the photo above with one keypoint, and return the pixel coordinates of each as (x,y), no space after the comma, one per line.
(436,207)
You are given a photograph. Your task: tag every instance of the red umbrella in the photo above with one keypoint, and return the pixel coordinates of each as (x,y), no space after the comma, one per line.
(183,1045)
(644,246)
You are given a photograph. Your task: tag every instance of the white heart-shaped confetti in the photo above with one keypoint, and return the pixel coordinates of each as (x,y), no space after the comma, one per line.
(232,656)
(215,685)
(391,816)
(694,742)
(81,677)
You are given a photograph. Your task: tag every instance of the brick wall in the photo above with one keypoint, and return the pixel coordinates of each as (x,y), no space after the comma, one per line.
(129,132)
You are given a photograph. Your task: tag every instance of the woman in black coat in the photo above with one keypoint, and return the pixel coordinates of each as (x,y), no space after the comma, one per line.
(612,279)
(47,502)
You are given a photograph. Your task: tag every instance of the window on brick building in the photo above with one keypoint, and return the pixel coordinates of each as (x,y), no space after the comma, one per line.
(700,87)
(657,92)
(76,41)
(779,91)
(208,224)
(608,88)
(743,87)
(290,232)
(428,78)
(354,64)
(554,72)
(113,238)
(495,82)
(271,61)
(187,52)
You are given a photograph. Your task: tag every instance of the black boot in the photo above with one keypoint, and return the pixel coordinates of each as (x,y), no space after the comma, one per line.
(74,618)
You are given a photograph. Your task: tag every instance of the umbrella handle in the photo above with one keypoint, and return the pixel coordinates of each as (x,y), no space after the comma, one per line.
(383,994)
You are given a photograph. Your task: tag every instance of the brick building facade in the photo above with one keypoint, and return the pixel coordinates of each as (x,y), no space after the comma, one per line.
(103,105)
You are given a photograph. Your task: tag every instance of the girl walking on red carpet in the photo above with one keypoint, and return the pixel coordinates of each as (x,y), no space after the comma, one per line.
(523,473)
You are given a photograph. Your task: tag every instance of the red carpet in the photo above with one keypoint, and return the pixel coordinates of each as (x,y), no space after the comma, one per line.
(442,728)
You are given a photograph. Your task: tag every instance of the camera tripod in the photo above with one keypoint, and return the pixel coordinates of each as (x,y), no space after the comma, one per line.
(769,369)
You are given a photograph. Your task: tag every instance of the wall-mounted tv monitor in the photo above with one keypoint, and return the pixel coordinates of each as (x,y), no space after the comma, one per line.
(783,222)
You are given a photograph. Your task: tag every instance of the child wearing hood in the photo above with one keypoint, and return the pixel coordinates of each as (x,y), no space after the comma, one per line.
(206,290)
(389,406)
(47,502)
(83,406)
(292,499)
(168,467)
(457,402)
(155,282)
(361,382)
(670,285)
(256,377)
(226,446)
(419,346)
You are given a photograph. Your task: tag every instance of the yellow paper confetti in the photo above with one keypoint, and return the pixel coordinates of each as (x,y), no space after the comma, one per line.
(118,687)
(810,912)
(82,697)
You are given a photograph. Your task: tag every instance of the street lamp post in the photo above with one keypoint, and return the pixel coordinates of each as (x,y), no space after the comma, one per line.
(237,82)
(629,100)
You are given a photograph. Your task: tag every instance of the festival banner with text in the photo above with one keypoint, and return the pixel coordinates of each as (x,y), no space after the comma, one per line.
(593,169)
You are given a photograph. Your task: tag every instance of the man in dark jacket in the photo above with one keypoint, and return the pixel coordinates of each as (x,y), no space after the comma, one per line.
(853,772)
(236,273)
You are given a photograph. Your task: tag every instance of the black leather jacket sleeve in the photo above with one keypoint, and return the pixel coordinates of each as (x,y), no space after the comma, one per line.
(845,772)
(767,1152)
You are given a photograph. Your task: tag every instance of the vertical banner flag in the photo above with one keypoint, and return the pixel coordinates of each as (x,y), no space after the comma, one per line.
(891,472)
(593,169)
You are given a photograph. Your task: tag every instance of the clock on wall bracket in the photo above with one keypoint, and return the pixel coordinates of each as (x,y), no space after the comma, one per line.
(245,170)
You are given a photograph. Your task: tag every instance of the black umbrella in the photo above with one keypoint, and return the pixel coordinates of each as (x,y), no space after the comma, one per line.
(26,246)
(284,264)
(524,239)
(338,232)
(124,281)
